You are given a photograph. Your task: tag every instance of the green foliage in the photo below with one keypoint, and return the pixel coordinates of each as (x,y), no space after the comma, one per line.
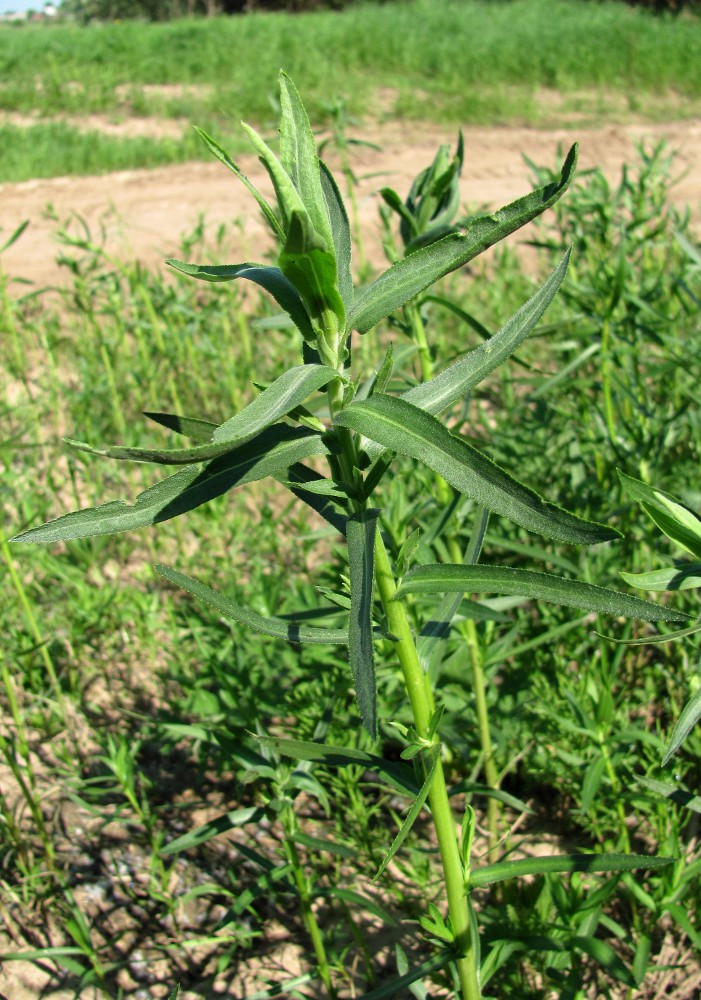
(302,803)
(318,410)
(597,56)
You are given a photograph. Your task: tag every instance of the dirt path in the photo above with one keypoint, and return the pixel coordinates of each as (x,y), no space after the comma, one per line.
(146,211)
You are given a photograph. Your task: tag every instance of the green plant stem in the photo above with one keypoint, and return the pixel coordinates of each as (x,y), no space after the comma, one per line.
(467,629)
(422,705)
(31,621)
(418,333)
(606,380)
(305,899)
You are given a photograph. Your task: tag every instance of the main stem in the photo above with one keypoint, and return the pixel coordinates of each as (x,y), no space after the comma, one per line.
(422,705)
(467,628)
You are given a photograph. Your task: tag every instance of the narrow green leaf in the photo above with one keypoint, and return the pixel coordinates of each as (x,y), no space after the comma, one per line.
(402,427)
(297,477)
(14,236)
(269,278)
(591,782)
(340,230)
(282,989)
(278,628)
(438,626)
(691,713)
(360,535)
(224,158)
(447,577)
(198,430)
(417,805)
(461,377)
(664,637)
(359,902)
(311,268)
(685,576)
(319,844)
(419,972)
(278,400)
(275,449)
(288,197)
(399,775)
(596,863)
(413,274)
(299,158)
(606,957)
(677,522)
(215,827)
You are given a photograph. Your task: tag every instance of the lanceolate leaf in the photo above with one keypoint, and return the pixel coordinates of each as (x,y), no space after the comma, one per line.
(340,230)
(598,863)
(685,576)
(275,449)
(192,427)
(676,521)
(541,586)
(269,278)
(416,807)
(360,535)
(399,774)
(224,157)
(278,628)
(285,393)
(413,274)
(404,428)
(460,378)
(691,714)
(214,828)
(299,159)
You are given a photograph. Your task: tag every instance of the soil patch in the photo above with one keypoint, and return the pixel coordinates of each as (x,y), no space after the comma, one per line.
(145,212)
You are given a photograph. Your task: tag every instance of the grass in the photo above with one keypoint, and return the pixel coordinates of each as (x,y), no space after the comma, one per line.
(598,57)
(163,693)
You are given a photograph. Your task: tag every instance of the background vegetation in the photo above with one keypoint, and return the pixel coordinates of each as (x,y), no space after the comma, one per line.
(525,61)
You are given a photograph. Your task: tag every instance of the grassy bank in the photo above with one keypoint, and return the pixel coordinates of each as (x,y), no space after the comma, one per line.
(469,62)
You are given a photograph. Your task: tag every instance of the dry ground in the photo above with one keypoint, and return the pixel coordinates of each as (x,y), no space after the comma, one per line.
(146,211)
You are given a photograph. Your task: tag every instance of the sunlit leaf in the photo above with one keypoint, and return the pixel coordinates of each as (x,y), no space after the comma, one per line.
(436,579)
(275,449)
(404,428)
(413,274)
(596,863)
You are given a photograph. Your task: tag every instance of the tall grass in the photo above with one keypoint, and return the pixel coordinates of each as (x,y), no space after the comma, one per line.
(451,48)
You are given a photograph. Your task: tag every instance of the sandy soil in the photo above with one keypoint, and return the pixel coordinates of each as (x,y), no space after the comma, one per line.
(146,211)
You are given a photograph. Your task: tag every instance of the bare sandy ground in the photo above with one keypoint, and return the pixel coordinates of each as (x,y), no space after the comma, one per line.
(146,211)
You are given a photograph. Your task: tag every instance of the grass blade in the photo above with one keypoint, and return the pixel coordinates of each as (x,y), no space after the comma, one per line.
(691,713)
(215,827)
